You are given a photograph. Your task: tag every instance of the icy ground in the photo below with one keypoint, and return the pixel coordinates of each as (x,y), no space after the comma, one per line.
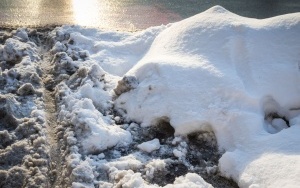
(211,101)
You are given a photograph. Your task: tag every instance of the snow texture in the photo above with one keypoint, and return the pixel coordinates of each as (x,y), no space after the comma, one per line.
(214,72)
(23,146)
(236,76)
(96,134)
(150,145)
(195,103)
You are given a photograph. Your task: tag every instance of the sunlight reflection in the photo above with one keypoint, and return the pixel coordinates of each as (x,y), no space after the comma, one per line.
(88,12)
(20,15)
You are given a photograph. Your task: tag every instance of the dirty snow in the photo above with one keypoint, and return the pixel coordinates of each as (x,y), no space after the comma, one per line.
(23,143)
(211,101)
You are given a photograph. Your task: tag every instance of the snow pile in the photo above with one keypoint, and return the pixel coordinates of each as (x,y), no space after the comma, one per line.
(84,94)
(236,76)
(93,130)
(17,47)
(115,52)
(23,145)
(190,181)
(98,152)
(18,64)
(177,105)
(85,98)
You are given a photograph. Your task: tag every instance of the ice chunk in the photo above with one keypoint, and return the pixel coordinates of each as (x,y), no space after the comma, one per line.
(150,145)
(26,89)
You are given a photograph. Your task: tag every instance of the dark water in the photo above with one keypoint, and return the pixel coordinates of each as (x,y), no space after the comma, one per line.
(129,14)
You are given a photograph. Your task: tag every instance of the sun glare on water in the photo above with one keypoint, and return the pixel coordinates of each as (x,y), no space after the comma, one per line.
(87,12)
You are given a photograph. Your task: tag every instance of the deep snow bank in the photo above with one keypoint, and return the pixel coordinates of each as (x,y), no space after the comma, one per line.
(214,74)
(237,76)
(100,148)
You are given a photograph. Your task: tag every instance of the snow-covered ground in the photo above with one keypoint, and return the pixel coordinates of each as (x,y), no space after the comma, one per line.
(23,146)
(210,101)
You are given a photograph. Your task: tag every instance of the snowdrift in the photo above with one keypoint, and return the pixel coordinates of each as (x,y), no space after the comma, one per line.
(158,108)
(236,76)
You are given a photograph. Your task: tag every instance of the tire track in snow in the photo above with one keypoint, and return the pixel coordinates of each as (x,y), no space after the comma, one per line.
(55,163)
(56,159)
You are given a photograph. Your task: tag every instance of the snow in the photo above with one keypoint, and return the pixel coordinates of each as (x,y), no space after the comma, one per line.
(14,49)
(115,52)
(91,123)
(23,144)
(177,153)
(214,72)
(150,145)
(154,166)
(227,73)
(190,180)
(143,109)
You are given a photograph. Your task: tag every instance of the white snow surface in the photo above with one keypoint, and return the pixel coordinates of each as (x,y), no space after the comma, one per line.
(150,145)
(102,135)
(115,52)
(213,71)
(236,76)
(190,180)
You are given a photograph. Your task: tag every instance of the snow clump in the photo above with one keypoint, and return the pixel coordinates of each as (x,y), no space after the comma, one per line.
(149,146)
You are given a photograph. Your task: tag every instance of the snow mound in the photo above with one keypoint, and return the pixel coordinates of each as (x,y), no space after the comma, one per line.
(236,76)
(115,52)
(91,125)
(214,80)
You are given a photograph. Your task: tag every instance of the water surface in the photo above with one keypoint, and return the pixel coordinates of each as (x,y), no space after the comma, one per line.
(128,14)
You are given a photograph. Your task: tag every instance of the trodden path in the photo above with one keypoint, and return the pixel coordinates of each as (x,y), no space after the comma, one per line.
(55,156)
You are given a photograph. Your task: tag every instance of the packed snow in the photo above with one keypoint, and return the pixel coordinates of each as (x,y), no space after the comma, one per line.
(150,145)
(210,101)
(23,143)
